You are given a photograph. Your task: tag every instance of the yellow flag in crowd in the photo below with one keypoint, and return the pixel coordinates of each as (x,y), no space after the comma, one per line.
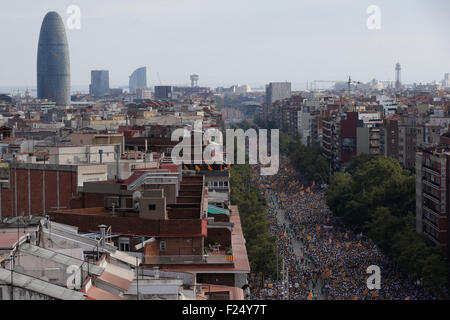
(313,184)
(408,298)
(309,238)
(197,168)
(365,292)
(310,296)
(375,294)
(185,168)
(209,168)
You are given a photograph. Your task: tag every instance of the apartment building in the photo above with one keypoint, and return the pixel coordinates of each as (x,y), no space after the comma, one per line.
(433,192)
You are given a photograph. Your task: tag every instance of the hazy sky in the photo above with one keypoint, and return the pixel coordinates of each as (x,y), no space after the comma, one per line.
(233,41)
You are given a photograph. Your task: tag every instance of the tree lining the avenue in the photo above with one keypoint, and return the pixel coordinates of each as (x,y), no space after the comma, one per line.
(376,196)
(260,244)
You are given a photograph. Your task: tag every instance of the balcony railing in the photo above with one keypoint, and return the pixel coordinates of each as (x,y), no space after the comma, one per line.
(190,259)
(431,197)
(431,210)
(431,183)
(431,170)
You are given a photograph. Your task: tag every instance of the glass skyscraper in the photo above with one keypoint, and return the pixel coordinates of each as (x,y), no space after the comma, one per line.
(53,65)
(138,80)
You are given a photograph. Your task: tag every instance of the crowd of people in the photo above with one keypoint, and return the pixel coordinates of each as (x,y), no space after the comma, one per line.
(332,262)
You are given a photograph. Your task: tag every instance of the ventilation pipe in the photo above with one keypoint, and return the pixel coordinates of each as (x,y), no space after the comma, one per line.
(118,161)
(102,235)
(156,272)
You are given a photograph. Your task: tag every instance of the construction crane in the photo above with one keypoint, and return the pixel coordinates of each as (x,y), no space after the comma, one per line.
(159,79)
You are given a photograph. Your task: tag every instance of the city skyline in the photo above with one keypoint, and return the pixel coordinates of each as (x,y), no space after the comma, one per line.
(226,47)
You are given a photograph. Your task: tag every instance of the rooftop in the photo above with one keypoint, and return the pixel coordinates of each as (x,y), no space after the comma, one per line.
(240,257)
(40,286)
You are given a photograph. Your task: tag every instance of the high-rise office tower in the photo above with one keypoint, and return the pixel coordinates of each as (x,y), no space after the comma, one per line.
(398,78)
(446,81)
(275,91)
(53,65)
(163,92)
(138,80)
(99,83)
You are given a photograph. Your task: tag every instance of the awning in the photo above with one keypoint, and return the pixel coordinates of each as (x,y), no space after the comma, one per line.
(216,210)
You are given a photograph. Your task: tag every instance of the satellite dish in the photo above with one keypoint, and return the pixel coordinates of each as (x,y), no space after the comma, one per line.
(136,197)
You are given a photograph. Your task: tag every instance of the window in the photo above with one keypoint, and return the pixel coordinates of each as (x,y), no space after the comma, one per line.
(152,207)
(124,244)
(162,246)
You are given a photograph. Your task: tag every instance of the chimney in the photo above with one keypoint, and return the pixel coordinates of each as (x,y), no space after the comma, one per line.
(118,161)
(156,272)
(101,155)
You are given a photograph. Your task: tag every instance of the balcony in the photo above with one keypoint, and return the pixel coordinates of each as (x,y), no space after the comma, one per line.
(431,170)
(431,197)
(190,259)
(431,184)
(431,210)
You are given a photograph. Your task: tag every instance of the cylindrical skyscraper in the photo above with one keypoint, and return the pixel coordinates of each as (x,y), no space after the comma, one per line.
(53,65)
